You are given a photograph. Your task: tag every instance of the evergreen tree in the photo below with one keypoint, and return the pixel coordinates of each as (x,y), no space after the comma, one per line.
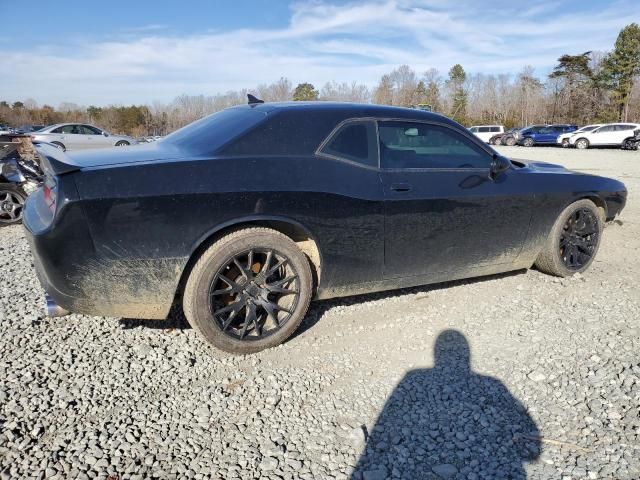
(621,67)
(305,92)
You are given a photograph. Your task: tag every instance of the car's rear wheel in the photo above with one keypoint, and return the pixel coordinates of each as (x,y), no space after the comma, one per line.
(12,200)
(573,241)
(248,291)
(582,143)
(528,142)
(629,144)
(494,141)
(122,143)
(60,146)
(511,141)
(565,142)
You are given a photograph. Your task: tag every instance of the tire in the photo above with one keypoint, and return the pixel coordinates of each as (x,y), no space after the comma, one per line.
(494,141)
(12,200)
(510,142)
(59,145)
(528,142)
(628,144)
(565,143)
(122,143)
(243,292)
(581,144)
(554,258)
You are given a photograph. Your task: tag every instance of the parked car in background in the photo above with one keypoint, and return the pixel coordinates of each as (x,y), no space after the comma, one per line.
(79,136)
(248,214)
(542,134)
(563,139)
(609,135)
(485,132)
(29,128)
(498,138)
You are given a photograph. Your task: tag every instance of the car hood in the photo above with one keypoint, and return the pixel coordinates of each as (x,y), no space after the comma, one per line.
(147,152)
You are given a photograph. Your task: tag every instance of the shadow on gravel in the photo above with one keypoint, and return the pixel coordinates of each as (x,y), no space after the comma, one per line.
(319,308)
(448,422)
(177,321)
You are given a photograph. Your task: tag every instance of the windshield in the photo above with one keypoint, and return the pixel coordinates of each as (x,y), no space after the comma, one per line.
(207,135)
(587,129)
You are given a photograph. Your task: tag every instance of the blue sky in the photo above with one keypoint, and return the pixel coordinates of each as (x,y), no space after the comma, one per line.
(119,52)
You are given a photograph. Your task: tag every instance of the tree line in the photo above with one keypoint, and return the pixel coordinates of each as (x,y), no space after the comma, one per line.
(582,88)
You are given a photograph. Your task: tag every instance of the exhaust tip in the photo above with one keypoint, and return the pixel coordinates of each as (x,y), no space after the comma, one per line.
(52,309)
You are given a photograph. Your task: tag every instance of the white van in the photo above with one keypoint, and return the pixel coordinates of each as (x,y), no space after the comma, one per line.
(485,132)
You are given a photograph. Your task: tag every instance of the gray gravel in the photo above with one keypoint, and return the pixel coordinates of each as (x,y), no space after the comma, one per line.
(505,377)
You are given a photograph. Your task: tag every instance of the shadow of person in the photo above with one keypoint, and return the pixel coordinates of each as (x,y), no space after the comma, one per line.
(448,422)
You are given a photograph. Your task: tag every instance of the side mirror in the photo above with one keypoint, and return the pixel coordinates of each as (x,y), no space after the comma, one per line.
(499,164)
(106,134)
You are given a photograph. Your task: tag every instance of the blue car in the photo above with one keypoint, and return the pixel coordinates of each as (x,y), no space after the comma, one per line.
(542,134)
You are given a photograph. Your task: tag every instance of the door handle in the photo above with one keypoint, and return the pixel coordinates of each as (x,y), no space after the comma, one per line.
(400,187)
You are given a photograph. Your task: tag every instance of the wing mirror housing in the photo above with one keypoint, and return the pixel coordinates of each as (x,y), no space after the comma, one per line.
(106,134)
(499,164)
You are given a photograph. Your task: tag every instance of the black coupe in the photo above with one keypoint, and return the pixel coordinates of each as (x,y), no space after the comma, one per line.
(247,215)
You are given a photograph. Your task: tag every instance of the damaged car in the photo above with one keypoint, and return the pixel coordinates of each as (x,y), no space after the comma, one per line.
(246,216)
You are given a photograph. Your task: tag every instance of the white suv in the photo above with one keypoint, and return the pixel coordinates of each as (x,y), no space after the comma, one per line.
(485,132)
(564,138)
(609,135)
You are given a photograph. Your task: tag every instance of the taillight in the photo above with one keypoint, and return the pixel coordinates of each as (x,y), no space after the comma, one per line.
(50,190)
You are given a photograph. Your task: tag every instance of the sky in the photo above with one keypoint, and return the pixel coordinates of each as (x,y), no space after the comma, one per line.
(138,51)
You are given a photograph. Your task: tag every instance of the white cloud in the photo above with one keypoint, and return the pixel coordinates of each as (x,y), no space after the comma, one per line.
(355,41)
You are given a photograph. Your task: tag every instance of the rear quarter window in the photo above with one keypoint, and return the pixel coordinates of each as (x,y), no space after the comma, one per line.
(355,141)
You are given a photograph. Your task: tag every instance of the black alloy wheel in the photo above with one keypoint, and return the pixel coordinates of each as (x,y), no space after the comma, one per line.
(254,294)
(579,239)
(12,200)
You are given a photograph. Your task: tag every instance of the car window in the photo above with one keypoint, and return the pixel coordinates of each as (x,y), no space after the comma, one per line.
(418,145)
(89,130)
(495,129)
(473,129)
(354,141)
(68,129)
(484,129)
(545,130)
(606,128)
(622,128)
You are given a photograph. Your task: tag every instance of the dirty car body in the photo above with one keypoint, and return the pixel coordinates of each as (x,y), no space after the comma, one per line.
(115,232)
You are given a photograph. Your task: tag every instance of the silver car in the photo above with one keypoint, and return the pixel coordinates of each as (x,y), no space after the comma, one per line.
(78,136)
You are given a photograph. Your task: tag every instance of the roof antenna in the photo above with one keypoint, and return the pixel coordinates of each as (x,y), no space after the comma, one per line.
(253,100)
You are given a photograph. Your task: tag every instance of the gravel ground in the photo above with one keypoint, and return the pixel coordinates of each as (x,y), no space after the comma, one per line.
(513,376)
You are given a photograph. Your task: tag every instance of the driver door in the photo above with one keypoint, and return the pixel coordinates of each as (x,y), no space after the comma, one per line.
(443,212)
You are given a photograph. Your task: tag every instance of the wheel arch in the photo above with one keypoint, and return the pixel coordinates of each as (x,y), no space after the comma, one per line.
(300,234)
(599,202)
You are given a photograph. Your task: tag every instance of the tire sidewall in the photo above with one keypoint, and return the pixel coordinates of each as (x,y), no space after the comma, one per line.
(528,142)
(215,258)
(554,237)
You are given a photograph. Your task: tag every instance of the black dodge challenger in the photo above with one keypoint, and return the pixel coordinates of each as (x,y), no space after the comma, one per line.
(247,215)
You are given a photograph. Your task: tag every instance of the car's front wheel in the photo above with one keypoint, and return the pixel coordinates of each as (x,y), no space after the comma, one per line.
(528,142)
(582,144)
(60,146)
(248,291)
(122,143)
(573,241)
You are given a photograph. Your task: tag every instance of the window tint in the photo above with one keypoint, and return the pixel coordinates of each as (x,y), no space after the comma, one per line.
(88,130)
(473,129)
(210,133)
(495,129)
(622,128)
(417,145)
(69,129)
(354,141)
(484,129)
(607,128)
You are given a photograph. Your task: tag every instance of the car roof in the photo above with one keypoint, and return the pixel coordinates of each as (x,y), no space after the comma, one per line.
(347,109)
